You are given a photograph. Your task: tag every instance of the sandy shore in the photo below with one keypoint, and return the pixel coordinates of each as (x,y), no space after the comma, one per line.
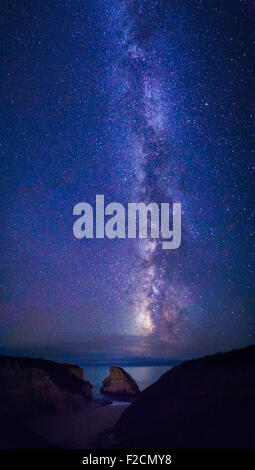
(79,430)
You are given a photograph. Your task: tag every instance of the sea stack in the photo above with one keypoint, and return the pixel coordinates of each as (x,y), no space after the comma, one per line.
(120,383)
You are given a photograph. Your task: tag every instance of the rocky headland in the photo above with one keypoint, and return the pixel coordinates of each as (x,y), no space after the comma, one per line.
(29,386)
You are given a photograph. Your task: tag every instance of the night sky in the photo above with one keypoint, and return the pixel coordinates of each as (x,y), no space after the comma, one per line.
(140,101)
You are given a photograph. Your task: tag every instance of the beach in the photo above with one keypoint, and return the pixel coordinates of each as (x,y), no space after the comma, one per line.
(81,429)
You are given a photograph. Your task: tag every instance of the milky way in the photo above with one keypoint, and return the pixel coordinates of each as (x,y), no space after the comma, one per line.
(159,301)
(139,101)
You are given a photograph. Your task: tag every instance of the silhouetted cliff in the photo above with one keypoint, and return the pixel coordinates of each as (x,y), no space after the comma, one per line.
(203,403)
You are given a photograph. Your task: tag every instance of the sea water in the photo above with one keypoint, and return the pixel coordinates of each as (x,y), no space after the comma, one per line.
(143,375)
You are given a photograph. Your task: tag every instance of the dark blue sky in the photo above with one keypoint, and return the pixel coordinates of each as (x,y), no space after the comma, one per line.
(137,100)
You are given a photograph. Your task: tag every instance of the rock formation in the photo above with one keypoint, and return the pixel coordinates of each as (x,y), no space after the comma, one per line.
(120,383)
(28,386)
(203,403)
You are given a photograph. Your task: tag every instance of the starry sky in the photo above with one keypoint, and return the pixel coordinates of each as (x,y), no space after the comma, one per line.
(140,101)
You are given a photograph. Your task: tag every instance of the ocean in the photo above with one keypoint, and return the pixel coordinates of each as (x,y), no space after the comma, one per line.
(143,375)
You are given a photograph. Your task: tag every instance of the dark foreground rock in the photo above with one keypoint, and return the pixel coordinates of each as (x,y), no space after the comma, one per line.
(15,434)
(120,384)
(203,403)
(29,386)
